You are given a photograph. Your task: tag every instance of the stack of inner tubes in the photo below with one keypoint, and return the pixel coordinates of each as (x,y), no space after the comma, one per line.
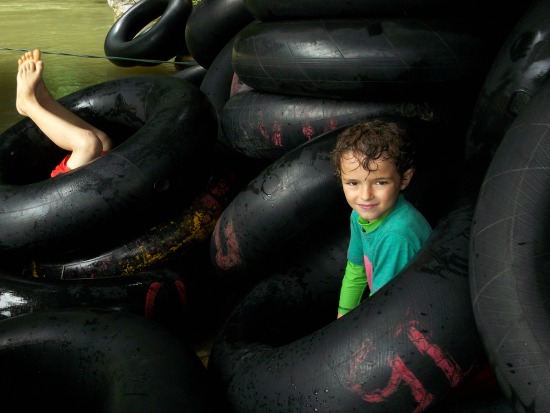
(165,123)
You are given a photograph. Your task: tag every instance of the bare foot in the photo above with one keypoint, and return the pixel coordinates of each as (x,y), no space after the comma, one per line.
(29,77)
(41,91)
(33,55)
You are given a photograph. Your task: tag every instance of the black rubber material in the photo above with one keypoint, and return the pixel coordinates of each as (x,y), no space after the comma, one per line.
(124,191)
(266,125)
(161,41)
(268,10)
(521,66)
(510,258)
(159,295)
(277,206)
(194,74)
(402,350)
(168,240)
(211,25)
(299,191)
(369,59)
(92,360)
(216,85)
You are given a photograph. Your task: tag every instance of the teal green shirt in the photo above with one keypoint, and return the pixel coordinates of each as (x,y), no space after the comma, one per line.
(378,251)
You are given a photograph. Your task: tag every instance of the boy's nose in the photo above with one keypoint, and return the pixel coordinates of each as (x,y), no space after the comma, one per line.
(366,192)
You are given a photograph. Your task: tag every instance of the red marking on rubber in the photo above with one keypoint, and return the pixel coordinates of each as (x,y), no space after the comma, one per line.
(261,127)
(445,362)
(150,300)
(277,134)
(308,130)
(331,124)
(358,358)
(400,373)
(182,293)
(232,257)
(354,368)
(209,202)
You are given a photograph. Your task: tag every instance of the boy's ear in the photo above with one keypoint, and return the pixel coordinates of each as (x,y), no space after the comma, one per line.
(407,176)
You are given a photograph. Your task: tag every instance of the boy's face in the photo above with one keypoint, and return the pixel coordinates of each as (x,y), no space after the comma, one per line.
(374,193)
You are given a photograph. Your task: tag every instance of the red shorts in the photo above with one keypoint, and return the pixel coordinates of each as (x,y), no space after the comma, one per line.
(62,167)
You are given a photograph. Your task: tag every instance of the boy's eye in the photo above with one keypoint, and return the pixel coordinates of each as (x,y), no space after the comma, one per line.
(381,182)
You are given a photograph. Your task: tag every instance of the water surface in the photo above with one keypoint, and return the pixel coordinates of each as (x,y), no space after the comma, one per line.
(76,27)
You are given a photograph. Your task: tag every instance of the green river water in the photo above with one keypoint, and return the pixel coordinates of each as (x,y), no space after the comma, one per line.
(73,27)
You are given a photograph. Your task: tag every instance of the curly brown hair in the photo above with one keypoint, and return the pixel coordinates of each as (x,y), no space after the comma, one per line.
(374,139)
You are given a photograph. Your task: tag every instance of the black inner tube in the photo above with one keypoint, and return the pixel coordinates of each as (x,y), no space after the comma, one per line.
(418,332)
(510,258)
(92,360)
(125,189)
(163,40)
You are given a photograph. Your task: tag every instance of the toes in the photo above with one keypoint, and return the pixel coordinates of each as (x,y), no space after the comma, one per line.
(33,55)
(28,66)
(23,58)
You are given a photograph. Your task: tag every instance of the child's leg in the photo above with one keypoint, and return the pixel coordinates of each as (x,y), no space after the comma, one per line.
(62,126)
(45,98)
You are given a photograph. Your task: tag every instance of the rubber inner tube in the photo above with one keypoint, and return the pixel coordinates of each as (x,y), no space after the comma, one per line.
(519,69)
(269,10)
(299,191)
(125,190)
(216,84)
(336,58)
(211,26)
(276,207)
(93,360)
(161,41)
(194,74)
(159,295)
(172,237)
(510,258)
(403,349)
(267,125)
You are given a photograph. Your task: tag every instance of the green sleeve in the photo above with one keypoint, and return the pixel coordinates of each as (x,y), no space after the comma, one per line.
(353,286)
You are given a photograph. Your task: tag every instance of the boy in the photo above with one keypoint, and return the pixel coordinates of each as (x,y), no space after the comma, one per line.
(63,127)
(374,160)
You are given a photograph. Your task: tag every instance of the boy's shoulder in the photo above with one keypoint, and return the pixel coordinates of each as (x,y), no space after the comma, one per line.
(404,206)
(406,214)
